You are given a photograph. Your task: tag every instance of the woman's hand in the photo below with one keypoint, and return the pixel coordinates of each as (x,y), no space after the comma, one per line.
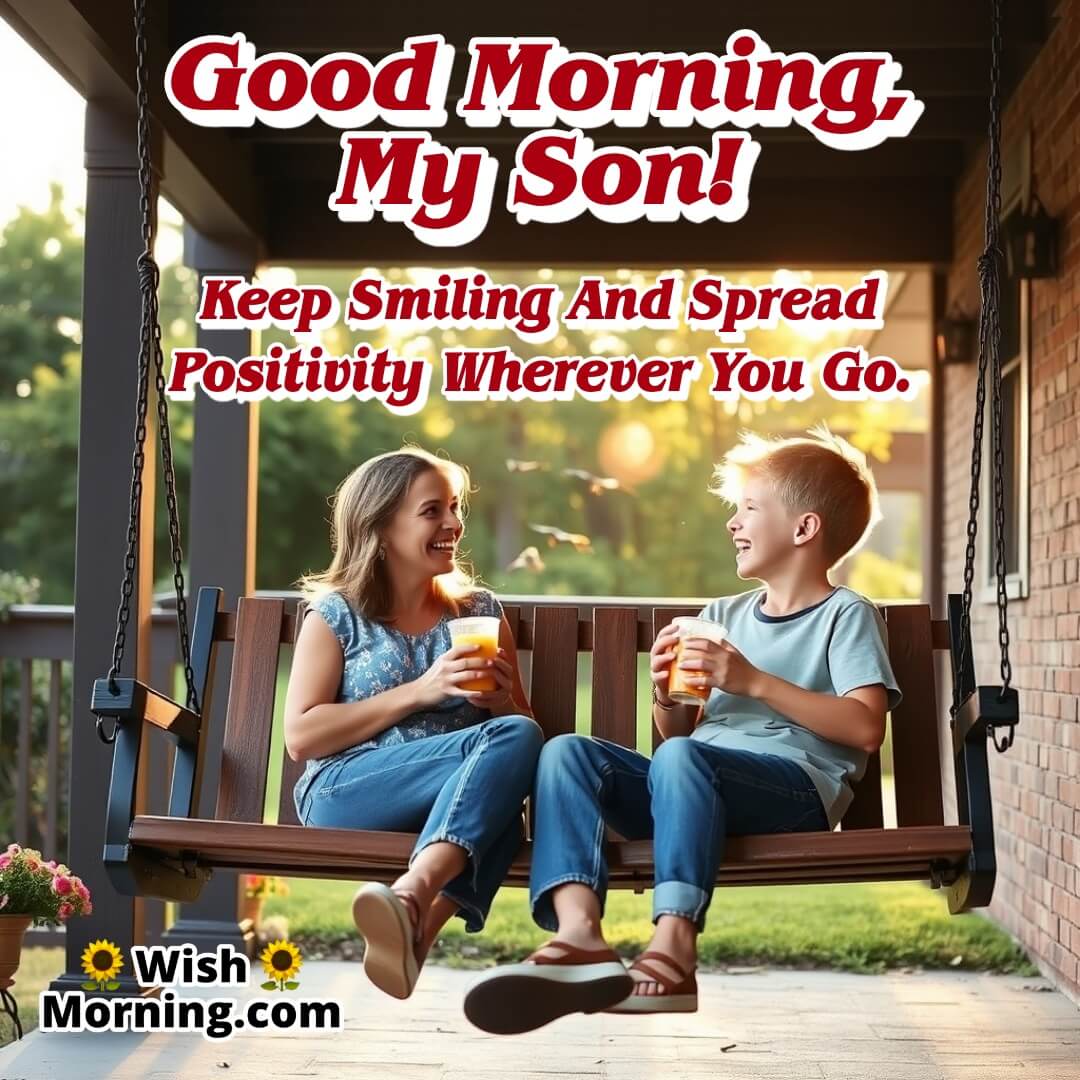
(721,665)
(660,656)
(444,678)
(498,699)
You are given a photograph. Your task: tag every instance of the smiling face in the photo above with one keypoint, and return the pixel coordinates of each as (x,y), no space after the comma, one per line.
(763,530)
(422,536)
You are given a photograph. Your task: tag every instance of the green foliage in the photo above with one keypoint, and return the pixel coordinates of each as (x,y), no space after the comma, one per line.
(15,589)
(40,333)
(40,291)
(874,575)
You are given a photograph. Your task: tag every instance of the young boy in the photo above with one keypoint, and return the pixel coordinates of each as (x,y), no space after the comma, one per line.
(797,702)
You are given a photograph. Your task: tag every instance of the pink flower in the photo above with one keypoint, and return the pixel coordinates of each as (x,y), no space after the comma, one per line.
(87,908)
(65,911)
(13,849)
(61,885)
(51,865)
(82,890)
(5,861)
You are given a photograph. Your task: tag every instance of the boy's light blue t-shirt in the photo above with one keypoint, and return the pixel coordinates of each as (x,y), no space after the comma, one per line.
(831,647)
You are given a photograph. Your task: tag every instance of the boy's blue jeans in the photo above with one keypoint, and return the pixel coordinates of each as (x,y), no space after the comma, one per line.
(687,799)
(466,787)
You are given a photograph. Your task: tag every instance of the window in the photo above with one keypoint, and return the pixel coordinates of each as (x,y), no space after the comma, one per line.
(1015,408)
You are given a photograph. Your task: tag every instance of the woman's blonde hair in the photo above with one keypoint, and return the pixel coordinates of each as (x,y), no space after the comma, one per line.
(823,473)
(363,506)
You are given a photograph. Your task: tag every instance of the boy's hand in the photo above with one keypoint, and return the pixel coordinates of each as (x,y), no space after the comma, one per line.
(722,666)
(660,657)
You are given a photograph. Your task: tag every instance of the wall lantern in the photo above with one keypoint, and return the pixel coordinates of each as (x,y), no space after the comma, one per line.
(954,338)
(1030,240)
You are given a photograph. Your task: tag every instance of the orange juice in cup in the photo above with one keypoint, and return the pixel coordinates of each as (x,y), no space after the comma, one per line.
(678,688)
(482,630)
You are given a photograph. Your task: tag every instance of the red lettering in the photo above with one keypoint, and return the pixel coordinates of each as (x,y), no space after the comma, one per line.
(536,158)
(492,63)
(227,77)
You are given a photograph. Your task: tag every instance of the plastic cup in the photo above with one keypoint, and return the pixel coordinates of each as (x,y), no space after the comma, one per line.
(678,689)
(482,630)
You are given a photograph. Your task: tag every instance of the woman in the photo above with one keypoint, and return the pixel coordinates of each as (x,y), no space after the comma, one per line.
(376,709)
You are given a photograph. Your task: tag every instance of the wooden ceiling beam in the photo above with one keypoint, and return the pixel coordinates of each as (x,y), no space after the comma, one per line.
(632,24)
(790,222)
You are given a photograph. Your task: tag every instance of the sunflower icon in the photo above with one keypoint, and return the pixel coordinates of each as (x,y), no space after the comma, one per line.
(102,962)
(281,961)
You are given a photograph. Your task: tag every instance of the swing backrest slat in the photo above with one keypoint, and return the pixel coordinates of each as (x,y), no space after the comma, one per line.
(250,714)
(614,675)
(553,687)
(914,723)
(290,770)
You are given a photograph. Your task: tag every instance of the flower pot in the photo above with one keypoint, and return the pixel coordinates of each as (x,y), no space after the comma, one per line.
(12,928)
(251,908)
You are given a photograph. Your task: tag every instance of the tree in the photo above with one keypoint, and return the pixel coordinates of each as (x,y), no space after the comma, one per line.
(40,291)
(39,420)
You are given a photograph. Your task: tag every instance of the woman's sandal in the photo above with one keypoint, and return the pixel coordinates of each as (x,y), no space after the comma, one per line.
(522,997)
(388,921)
(680,993)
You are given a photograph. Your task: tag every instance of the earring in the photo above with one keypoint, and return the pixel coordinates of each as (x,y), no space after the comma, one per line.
(382,552)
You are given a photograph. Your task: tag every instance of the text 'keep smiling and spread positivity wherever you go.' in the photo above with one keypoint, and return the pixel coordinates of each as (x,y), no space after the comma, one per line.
(444,197)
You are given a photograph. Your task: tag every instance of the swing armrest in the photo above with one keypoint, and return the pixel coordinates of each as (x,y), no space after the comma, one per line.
(134,700)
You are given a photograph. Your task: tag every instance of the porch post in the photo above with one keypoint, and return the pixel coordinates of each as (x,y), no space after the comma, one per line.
(111,320)
(224,471)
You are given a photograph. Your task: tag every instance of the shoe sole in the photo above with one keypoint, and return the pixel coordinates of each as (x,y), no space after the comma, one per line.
(523,997)
(641,1004)
(389,961)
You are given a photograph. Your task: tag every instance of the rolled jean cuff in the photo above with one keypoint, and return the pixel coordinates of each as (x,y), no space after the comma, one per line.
(442,837)
(543,907)
(474,916)
(680,898)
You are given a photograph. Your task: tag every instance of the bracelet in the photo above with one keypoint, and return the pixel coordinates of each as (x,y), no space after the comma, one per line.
(658,702)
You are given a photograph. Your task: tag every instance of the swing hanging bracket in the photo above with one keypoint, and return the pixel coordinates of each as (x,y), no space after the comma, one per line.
(987,708)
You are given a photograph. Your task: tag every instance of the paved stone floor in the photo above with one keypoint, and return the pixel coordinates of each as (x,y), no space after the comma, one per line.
(794,1025)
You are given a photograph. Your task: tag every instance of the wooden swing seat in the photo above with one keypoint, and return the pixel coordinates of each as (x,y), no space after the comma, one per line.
(172,855)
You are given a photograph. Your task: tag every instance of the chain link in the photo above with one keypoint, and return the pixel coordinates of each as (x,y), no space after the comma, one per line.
(989,269)
(149,349)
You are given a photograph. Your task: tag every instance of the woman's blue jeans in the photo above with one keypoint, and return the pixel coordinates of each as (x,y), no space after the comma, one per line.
(466,787)
(687,799)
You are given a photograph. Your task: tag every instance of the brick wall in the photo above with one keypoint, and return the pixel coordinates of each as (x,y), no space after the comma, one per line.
(1036,784)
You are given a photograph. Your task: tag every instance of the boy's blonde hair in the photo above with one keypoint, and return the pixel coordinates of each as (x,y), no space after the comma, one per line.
(364,503)
(823,473)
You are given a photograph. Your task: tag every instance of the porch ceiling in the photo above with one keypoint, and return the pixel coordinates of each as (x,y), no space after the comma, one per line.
(808,204)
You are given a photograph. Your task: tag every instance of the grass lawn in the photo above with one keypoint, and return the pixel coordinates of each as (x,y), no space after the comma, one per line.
(864,928)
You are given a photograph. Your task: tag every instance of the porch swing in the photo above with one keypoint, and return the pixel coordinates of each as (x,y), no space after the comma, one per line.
(172,855)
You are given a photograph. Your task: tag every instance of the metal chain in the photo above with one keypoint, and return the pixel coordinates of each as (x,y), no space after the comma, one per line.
(149,348)
(989,356)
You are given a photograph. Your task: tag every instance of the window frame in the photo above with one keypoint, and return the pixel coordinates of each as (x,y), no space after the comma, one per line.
(1016,188)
